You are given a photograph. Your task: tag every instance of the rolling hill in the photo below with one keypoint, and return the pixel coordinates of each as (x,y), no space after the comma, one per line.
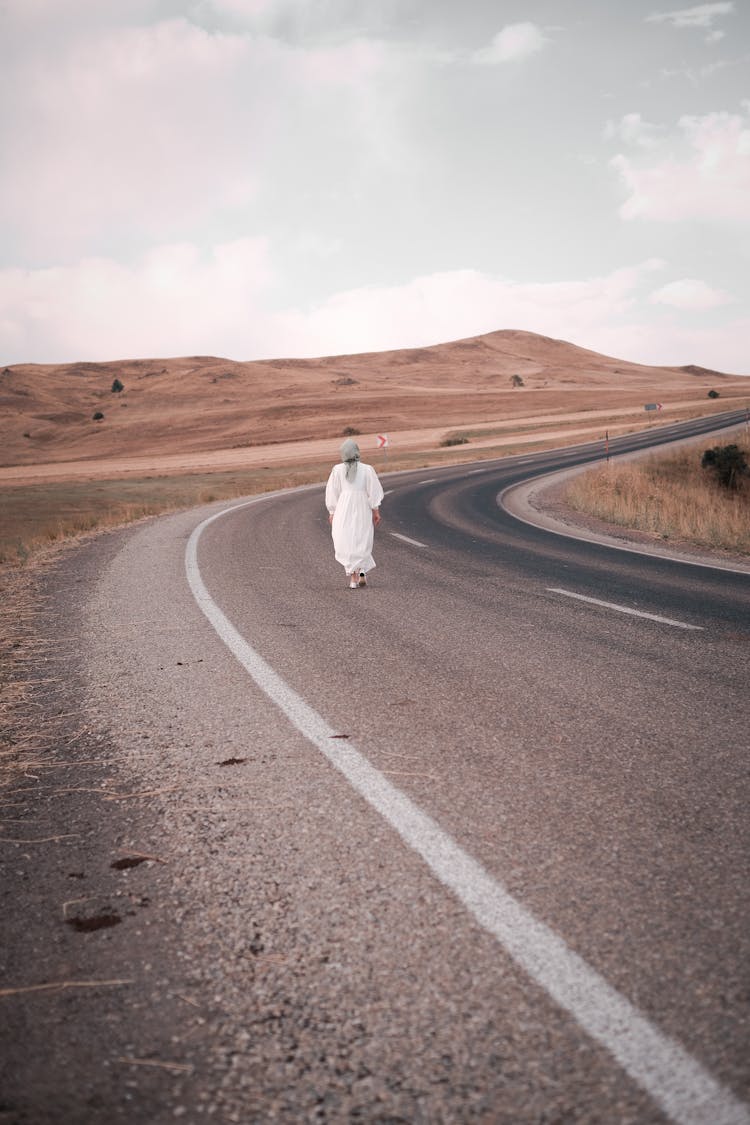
(202,403)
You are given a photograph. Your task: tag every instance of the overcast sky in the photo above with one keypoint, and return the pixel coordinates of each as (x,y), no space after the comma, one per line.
(265,178)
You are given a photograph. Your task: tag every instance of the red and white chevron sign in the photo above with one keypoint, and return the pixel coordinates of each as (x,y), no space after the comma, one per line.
(382,441)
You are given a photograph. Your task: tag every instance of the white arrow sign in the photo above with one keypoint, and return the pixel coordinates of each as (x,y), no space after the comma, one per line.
(382,441)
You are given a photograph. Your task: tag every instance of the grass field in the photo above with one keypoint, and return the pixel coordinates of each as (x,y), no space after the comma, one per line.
(35,516)
(669,496)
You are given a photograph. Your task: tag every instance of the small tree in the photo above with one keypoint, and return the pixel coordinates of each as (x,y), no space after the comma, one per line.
(728,462)
(97,416)
(713,394)
(516,381)
(117,386)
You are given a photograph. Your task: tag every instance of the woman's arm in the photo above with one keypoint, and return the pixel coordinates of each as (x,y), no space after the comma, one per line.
(374,491)
(333,491)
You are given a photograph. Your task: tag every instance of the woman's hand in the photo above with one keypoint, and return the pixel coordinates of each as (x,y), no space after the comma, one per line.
(375,516)
(330,517)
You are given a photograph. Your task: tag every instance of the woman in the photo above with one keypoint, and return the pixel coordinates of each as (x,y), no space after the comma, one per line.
(353,496)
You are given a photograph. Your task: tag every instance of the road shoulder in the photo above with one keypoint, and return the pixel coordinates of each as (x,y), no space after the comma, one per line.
(87,1006)
(541,502)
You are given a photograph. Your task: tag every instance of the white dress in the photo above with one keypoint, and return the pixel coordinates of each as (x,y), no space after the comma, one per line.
(351,504)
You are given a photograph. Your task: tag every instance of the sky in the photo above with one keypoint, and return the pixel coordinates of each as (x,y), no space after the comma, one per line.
(276,178)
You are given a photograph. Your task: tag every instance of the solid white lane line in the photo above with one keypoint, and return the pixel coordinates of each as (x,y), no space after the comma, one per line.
(678,1083)
(626,609)
(406,539)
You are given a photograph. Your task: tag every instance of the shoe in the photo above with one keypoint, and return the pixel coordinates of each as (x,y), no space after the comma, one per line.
(362,579)
(353,584)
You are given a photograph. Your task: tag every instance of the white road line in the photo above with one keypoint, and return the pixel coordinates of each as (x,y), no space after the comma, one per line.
(685,1091)
(626,609)
(388,491)
(471,472)
(430,480)
(406,539)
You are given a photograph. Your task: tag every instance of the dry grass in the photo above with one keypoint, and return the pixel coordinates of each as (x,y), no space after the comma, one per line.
(669,496)
(22,659)
(35,516)
(196,405)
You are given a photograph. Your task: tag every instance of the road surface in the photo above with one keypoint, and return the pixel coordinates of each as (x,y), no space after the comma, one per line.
(478,850)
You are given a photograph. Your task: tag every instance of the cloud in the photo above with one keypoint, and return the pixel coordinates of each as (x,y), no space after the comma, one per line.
(702,15)
(633,130)
(690,294)
(124,127)
(178,301)
(464,303)
(515,41)
(243,9)
(129,135)
(174,300)
(711,181)
(696,75)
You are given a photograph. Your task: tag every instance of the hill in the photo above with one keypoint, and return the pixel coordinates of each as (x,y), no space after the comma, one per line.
(202,403)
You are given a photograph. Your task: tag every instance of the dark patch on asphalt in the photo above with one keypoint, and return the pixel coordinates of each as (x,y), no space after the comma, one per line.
(97,922)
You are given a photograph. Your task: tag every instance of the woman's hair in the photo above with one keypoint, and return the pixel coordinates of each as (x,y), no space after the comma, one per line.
(350,457)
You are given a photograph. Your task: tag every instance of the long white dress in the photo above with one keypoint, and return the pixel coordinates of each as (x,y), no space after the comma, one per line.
(351,504)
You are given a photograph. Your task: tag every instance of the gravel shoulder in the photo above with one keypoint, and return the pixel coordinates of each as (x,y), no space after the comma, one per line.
(88,1023)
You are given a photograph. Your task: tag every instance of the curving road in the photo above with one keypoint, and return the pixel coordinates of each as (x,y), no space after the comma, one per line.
(569,722)
(468,845)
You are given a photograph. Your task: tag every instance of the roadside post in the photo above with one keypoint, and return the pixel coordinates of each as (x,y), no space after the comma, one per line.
(652,406)
(606,444)
(382,440)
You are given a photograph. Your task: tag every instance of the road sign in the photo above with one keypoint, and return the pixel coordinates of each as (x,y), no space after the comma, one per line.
(652,406)
(382,441)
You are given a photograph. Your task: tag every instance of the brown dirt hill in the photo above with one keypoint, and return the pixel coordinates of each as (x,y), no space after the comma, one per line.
(202,403)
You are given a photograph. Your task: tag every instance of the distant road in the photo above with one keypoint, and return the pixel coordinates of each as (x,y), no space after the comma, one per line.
(469,844)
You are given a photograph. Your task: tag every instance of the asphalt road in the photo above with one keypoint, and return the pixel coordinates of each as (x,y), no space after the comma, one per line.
(482,850)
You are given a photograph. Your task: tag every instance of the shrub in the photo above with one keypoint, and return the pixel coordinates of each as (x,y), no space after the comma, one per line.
(516,381)
(728,462)
(457,440)
(117,386)
(350,431)
(713,394)
(97,416)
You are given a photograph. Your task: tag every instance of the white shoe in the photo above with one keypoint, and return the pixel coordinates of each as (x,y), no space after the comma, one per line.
(353,584)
